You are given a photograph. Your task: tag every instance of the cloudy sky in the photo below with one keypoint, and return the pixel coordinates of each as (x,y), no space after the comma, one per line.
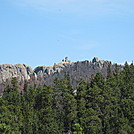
(43,32)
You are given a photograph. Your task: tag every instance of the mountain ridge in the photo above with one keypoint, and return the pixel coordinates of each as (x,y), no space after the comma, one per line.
(46,74)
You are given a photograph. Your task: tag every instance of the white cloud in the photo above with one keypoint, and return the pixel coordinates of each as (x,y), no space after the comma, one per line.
(81,6)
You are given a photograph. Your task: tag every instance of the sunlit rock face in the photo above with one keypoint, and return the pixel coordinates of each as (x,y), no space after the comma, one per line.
(46,74)
(21,71)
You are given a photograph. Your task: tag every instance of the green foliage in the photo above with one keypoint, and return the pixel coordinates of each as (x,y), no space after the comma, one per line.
(101,106)
(66,104)
(5,129)
(77,129)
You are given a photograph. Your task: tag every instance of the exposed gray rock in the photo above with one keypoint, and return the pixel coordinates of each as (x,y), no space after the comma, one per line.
(46,74)
(21,71)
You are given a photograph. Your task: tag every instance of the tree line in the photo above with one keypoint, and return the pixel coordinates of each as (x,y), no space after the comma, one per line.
(102,106)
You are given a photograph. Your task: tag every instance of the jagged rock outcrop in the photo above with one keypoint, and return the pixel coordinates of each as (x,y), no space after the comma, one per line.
(77,70)
(46,74)
(21,71)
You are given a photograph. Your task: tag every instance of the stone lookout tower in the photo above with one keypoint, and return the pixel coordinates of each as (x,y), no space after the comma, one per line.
(95,59)
(66,60)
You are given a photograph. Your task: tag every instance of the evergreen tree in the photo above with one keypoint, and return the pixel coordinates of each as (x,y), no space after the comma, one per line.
(30,119)
(65,103)
(127,98)
(13,98)
(101,106)
(46,111)
(81,103)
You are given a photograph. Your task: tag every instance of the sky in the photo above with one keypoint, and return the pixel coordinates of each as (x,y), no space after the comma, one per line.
(43,32)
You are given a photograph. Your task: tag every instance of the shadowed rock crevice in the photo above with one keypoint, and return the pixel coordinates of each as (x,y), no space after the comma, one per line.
(46,74)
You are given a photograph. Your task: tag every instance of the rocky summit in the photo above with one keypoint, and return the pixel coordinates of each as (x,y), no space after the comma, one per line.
(46,74)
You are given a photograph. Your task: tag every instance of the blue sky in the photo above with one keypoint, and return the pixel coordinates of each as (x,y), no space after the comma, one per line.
(43,32)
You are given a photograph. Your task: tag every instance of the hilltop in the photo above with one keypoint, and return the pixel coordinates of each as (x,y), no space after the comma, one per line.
(85,97)
(46,74)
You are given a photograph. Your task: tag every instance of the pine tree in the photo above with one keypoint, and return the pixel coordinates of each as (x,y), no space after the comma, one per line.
(46,111)
(81,103)
(30,119)
(127,95)
(13,98)
(93,113)
(65,103)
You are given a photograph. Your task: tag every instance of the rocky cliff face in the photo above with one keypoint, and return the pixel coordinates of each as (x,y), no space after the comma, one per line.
(46,74)
(21,71)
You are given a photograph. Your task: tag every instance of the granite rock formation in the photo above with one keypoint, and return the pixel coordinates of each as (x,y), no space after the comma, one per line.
(21,71)
(46,74)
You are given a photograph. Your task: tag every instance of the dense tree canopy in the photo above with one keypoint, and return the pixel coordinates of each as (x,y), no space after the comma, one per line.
(104,106)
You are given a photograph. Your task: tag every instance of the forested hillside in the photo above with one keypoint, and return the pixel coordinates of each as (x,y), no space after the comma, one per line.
(101,106)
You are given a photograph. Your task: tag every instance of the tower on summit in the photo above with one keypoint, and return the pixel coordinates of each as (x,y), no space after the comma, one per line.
(66,60)
(95,59)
